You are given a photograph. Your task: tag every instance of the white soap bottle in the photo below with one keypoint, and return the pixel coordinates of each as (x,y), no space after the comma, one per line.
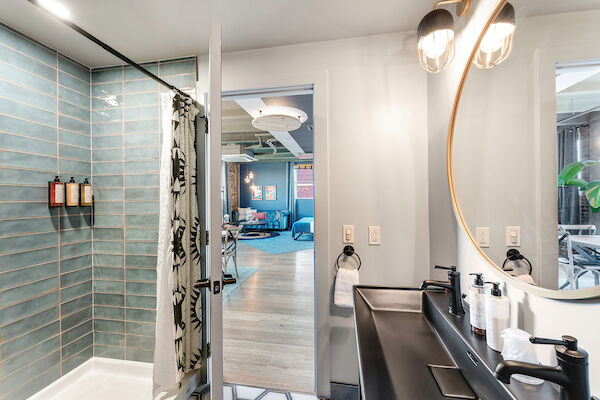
(497,317)
(477,305)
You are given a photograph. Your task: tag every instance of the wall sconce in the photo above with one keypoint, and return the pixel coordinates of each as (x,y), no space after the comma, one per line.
(435,36)
(497,42)
(249,177)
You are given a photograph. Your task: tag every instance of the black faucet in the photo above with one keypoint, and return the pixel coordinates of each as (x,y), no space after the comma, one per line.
(455,306)
(571,373)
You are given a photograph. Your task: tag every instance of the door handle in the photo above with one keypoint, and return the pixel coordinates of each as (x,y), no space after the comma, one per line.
(203,283)
(228,279)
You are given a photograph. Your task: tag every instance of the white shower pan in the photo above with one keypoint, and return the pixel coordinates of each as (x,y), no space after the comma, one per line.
(105,378)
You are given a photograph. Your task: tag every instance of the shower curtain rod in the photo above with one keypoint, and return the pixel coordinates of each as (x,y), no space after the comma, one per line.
(112,51)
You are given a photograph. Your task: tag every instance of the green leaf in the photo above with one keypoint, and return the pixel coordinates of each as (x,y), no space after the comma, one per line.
(570,171)
(582,183)
(593,196)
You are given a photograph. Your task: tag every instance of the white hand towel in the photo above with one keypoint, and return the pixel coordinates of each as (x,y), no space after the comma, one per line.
(526,278)
(345,280)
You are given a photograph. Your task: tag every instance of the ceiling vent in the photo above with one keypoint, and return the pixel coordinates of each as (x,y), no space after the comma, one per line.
(279,119)
(235,153)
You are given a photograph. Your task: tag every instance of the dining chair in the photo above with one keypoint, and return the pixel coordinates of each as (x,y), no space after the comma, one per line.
(230,245)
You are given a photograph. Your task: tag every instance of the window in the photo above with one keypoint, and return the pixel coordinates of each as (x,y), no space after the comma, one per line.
(304,183)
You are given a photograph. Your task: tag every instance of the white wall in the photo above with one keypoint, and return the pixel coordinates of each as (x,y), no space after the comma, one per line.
(377,158)
(539,316)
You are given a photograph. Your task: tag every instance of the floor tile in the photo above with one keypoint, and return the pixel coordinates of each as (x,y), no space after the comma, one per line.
(298,396)
(274,396)
(248,393)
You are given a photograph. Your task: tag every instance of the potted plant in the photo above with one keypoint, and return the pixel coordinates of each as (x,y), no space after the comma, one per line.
(569,177)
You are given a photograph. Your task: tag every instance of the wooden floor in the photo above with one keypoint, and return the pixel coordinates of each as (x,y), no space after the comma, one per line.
(269,322)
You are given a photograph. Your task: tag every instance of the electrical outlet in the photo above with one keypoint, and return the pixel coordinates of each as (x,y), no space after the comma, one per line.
(483,236)
(513,236)
(348,234)
(374,235)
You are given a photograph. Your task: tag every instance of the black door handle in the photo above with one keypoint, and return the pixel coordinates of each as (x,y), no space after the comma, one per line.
(203,283)
(228,279)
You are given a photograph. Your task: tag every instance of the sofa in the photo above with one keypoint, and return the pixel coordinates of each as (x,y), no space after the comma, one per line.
(275,219)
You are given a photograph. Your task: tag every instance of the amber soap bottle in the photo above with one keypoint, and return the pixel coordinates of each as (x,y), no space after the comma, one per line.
(56,193)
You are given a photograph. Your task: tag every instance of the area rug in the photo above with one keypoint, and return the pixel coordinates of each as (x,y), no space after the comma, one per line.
(245,273)
(253,235)
(282,243)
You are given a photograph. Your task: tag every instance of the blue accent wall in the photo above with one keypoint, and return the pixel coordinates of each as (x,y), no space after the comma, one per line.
(305,208)
(265,174)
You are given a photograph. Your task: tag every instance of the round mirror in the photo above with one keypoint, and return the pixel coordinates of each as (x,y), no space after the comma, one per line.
(524,150)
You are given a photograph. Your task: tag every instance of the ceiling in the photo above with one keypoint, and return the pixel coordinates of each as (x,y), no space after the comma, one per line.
(237,127)
(147,30)
(531,8)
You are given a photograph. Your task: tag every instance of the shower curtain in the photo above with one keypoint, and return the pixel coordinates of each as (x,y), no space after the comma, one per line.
(178,324)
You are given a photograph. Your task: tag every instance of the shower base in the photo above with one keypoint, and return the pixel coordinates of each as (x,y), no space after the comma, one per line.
(104,378)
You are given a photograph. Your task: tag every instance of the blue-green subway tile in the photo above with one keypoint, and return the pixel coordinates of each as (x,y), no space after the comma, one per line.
(148,220)
(22,94)
(74,69)
(106,142)
(33,225)
(20,77)
(75,152)
(20,293)
(33,129)
(21,143)
(109,299)
(101,286)
(78,345)
(142,85)
(141,193)
(107,155)
(34,257)
(141,234)
(109,101)
(28,242)
(107,129)
(34,386)
(69,336)
(108,194)
(27,112)
(76,318)
(142,166)
(144,126)
(71,264)
(134,314)
(104,168)
(31,193)
(107,115)
(141,288)
(75,235)
(73,124)
(131,73)
(108,233)
(36,367)
(141,113)
(105,89)
(177,67)
(76,304)
(73,250)
(140,342)
(108,246)
(14,40)
(139,355)
(109,352)
(109,207)
(107,273)
(142,207)
(107,75)
(107,325)
(77,359)
(25,308)
(28,356)
(30,323)
(141,274)
(20,160)
(76,111)
(133,261)
(76,139)
(146,139)
(71,278)
(24,209)
(75,221)
(182,81)
(140,301)
(30,274)
(108,260)
(73,97)
(141,99)
(108,181)
(12,57)
(75,291)
(116,313)
(140,247)
(139,328)
(108,338)
(30,339)
(73,83)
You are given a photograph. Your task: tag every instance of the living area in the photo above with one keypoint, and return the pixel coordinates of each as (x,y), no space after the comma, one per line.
(268,240)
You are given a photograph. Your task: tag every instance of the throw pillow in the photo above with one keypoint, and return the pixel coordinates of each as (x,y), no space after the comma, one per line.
(243,213)
(260,216)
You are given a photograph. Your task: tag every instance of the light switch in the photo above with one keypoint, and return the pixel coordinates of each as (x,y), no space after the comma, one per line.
(348,234)
(374,235)
(483,236)
(513,236)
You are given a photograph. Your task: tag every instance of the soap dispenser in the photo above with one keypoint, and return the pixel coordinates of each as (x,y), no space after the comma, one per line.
(477,305)
(497,317)
(72,198)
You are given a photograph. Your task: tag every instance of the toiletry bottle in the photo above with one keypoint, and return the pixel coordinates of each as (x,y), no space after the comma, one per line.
(72,193)
(85,195)
(56,193)
(477,305)
(497,313)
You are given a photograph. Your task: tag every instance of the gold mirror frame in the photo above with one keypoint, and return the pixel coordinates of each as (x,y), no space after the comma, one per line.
(579,294)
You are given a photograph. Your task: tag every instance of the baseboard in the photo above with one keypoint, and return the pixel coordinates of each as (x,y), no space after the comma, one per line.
(343,391)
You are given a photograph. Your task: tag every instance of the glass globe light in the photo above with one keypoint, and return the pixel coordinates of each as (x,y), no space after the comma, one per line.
(435,40)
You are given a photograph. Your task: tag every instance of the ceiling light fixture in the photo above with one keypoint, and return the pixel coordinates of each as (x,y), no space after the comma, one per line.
(55,8)
(279,119)
(497,42)
(435,36)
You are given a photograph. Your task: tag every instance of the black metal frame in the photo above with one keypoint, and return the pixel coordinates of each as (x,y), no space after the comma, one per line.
(111,50)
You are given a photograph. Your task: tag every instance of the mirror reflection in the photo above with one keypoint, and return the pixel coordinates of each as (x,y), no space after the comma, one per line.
(526,150)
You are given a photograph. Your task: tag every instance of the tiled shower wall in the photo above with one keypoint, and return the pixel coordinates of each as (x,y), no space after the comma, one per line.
(45,253)
(125,168)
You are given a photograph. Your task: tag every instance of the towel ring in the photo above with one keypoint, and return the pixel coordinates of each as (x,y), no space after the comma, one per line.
(348,251)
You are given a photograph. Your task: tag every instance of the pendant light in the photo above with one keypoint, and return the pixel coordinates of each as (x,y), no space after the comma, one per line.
(497,42)
(435,36)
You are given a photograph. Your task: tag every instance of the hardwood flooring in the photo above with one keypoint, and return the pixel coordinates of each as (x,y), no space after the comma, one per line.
(268,322)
